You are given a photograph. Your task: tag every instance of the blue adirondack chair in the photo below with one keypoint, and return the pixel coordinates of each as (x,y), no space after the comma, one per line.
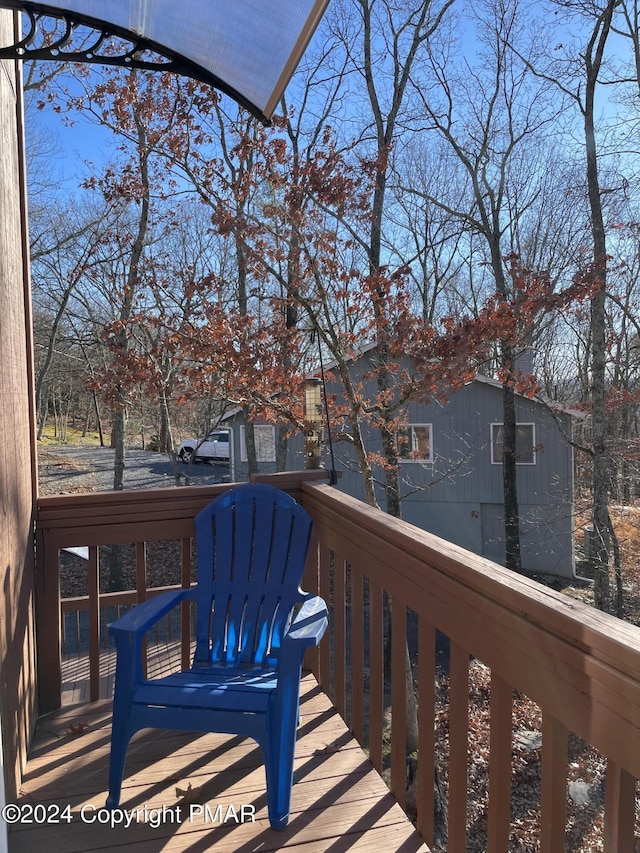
(253,624)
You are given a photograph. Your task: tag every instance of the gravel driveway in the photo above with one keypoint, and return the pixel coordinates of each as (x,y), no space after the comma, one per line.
(77,468)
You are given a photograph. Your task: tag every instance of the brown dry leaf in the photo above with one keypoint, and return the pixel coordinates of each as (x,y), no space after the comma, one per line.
(76,729)
(328,749)
(191,794)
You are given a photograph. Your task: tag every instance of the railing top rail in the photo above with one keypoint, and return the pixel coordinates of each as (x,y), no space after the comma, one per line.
(51,506)
(378,534)
(107,518)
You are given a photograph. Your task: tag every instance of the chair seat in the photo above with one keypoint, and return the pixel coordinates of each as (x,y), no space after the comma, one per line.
(228,688)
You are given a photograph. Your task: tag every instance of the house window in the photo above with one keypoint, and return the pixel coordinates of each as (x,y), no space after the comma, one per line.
(525,444)
(265,439)
(415,443)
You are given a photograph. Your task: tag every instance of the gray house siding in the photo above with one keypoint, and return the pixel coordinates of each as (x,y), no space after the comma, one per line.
(463,470)
(460,523)
(459,495)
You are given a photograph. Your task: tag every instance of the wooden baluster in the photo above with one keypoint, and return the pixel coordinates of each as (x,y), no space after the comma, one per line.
(340,634)
(93,569)
(553,798)
(356,681)
(458,748)
(48,617)
(399,701)
(185,607)
(499,818)
(376,675)
(141,591)
(619,810)
(328,640)
(311,584)
(426,729)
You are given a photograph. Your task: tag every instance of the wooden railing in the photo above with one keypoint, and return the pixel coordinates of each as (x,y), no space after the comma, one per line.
(96,520)
(581,667)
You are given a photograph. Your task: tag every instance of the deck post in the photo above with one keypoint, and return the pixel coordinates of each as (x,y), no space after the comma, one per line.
(48,625)
(291,481)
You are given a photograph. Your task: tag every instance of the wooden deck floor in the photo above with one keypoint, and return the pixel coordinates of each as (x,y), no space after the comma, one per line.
(339,802)
(162,659)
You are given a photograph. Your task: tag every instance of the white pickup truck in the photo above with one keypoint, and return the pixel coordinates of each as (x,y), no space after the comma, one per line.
(213,448)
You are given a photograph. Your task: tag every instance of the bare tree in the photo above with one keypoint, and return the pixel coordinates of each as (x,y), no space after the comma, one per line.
(63,252)
(578,76)
(491,114)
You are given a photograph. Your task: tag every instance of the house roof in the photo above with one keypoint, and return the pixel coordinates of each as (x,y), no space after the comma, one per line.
(479,377)
(552,404)
(247,48)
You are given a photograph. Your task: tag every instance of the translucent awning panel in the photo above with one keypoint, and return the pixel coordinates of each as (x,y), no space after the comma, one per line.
(247,48)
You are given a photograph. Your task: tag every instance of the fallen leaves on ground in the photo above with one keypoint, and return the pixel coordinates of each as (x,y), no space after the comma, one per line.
(586,770)
(76,729)
(328,749)
(190,795)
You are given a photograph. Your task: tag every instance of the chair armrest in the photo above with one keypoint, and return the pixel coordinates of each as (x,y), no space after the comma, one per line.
(137,621)
(309,625)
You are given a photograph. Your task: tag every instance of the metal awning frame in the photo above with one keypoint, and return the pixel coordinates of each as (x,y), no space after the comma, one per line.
(130,50)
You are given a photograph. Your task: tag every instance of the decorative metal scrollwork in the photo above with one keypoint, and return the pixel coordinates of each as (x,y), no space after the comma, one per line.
(55,34)
(67,39)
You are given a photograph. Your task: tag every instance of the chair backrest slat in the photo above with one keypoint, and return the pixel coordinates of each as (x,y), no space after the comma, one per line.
(252,544)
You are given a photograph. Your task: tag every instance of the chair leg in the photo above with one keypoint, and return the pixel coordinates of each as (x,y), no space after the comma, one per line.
(279,772)
(120,738)
(279,758)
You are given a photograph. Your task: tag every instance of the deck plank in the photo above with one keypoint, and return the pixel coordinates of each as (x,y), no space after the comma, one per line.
(339,802)
(163,658)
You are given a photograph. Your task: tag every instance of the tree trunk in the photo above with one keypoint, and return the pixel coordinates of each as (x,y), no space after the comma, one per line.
(87,419)
(98,417)
(509,426)
(250,443)
(601,456)
(133,272)
(115,582)
(509,472)
(165,437)
(413,740)
(281,448)
(42,416)
(118,443)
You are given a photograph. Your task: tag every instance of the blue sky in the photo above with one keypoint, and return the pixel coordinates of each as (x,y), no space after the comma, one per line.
(73,145)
